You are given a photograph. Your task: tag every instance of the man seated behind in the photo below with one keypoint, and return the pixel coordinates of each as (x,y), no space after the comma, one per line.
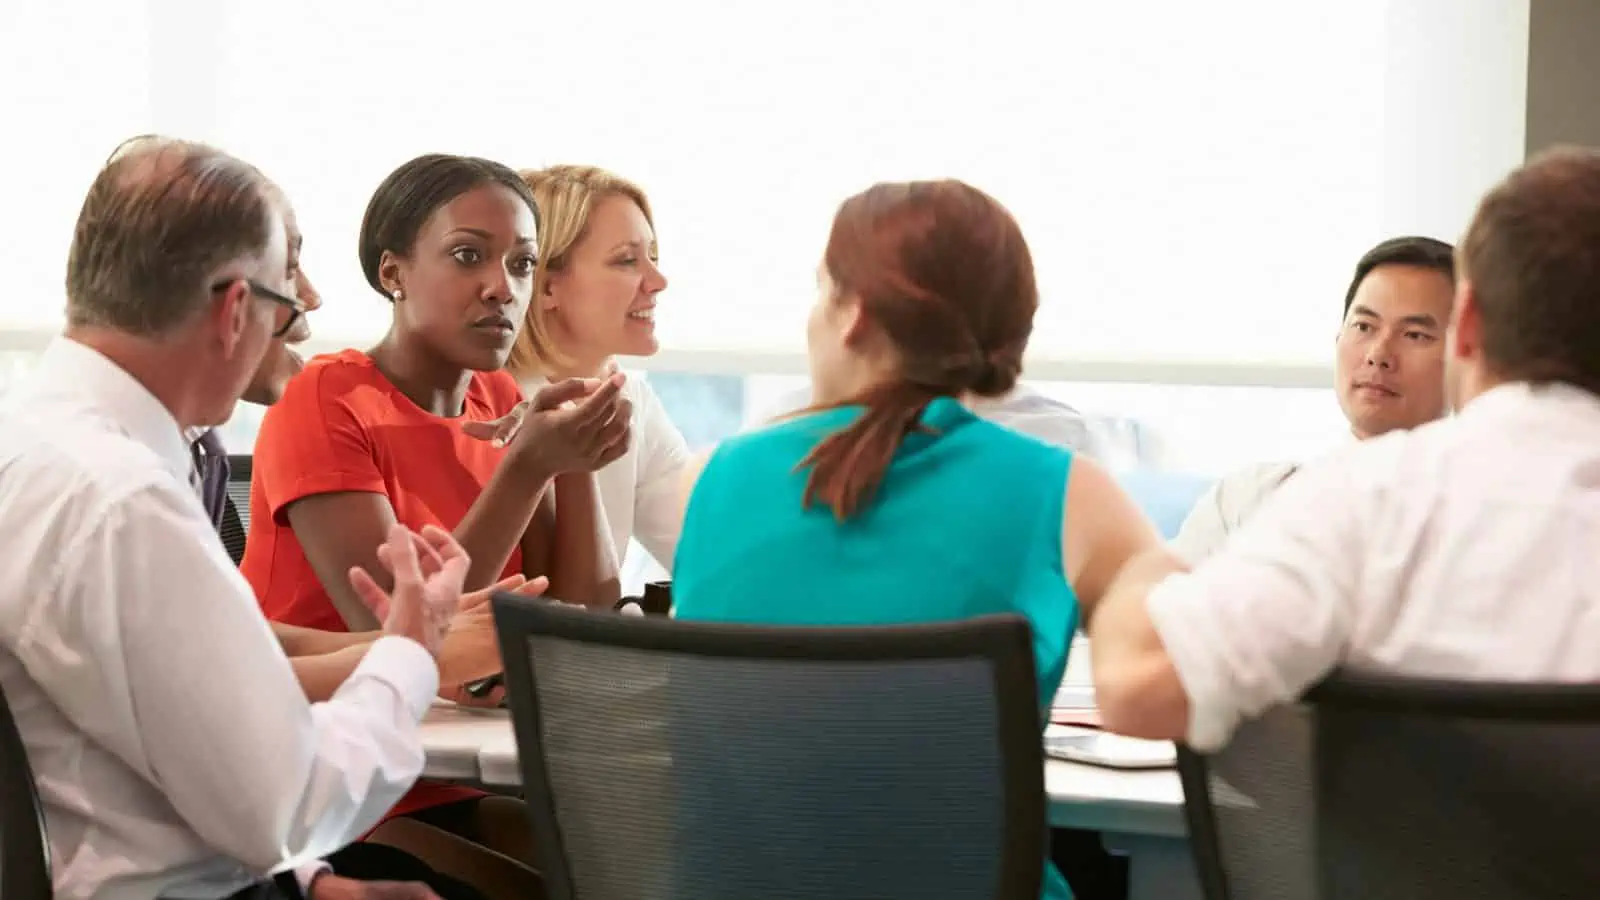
(1022,409)
(1464,548)
(174,752)
(1388,374)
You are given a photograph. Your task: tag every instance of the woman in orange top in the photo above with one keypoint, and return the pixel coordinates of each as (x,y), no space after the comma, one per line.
(426,429)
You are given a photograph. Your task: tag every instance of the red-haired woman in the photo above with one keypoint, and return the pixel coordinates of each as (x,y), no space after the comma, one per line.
(852,514)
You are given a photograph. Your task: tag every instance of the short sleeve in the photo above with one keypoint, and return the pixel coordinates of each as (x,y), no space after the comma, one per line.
(658,491)
(314,441)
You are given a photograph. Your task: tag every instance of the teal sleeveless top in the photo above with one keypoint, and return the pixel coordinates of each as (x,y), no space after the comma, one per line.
(966,522)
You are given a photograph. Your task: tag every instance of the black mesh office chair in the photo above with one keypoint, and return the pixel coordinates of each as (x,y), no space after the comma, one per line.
(1379,788)
(236,513)
(667,759)
(24,848)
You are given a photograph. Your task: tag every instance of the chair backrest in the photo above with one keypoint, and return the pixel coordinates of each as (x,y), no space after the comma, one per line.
(689,760)
(1250,810)
(24,847)
(1380,787)
(236,516)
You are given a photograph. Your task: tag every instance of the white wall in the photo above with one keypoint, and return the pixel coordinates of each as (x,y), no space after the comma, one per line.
(1454,111)
(1196,179)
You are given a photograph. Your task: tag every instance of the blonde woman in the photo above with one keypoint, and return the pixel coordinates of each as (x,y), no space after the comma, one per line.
(595,293)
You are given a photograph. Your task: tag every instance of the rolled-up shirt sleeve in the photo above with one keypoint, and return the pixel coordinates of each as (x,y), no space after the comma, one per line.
(221,726)
(1272,610)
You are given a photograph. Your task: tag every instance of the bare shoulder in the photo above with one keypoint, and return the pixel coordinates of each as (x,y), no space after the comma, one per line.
(1101,525)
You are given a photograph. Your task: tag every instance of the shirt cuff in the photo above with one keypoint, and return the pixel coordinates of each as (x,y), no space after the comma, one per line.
(304,875)
(1184,623)
(402,664)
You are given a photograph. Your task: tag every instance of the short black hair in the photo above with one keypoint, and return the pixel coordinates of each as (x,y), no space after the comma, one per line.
(413,192)
(1411,250)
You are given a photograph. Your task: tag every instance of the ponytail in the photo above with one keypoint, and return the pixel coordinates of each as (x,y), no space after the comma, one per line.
(848,466)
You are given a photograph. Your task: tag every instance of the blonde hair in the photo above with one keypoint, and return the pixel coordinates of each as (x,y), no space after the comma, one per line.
(566,197)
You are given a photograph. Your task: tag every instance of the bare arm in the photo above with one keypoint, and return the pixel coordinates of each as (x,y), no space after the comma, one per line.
(1136,686)
(297,641)
(571,426)
(1101,530)
(1106,540)
(1191,654)
(321,675)
(569,539)
(339,531)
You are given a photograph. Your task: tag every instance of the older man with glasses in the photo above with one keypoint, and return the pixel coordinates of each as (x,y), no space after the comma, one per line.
(175,753)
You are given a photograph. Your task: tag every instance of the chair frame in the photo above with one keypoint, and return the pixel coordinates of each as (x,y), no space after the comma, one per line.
(1419,697)
(1004,640)
(240,468)
(24,845)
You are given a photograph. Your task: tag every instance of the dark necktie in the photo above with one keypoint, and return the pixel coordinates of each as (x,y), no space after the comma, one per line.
(211,462)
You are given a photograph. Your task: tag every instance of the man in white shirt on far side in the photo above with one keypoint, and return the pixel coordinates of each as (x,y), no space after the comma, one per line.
(175,754)
(1388,374)
(1463,549)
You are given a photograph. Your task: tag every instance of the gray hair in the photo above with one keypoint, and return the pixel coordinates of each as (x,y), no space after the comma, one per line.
(160,221)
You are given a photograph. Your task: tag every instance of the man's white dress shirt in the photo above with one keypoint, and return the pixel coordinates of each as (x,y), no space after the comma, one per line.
(174,750)
(1467,548)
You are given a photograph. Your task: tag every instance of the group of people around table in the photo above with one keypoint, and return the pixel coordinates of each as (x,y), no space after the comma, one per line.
(200,730)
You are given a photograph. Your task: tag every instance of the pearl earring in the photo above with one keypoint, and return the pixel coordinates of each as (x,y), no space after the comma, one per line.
(398,295)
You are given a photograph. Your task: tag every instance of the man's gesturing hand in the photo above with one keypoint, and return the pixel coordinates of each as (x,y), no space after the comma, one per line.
(428,570)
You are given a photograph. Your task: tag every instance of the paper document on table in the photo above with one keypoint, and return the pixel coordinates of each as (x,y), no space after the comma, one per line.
(1099,748)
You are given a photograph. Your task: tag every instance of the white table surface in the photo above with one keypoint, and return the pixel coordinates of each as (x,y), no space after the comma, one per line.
(478,745)
(456,739)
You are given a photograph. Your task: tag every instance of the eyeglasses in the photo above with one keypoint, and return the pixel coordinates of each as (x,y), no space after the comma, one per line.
(296,308)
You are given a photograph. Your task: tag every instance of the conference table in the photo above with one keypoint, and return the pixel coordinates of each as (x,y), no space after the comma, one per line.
(1140,813)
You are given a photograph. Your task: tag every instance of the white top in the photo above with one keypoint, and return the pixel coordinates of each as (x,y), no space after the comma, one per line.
(641,490)
(1226,506)
(1466,548)
(1023,410)
(174,751)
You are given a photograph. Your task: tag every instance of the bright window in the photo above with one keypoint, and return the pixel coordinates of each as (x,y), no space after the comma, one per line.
(1195,179)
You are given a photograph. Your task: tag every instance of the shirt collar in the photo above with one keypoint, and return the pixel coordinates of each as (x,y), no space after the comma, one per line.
(1521,395)
(74,371)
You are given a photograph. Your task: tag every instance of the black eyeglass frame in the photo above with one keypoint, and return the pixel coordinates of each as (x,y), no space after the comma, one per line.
(296,308)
